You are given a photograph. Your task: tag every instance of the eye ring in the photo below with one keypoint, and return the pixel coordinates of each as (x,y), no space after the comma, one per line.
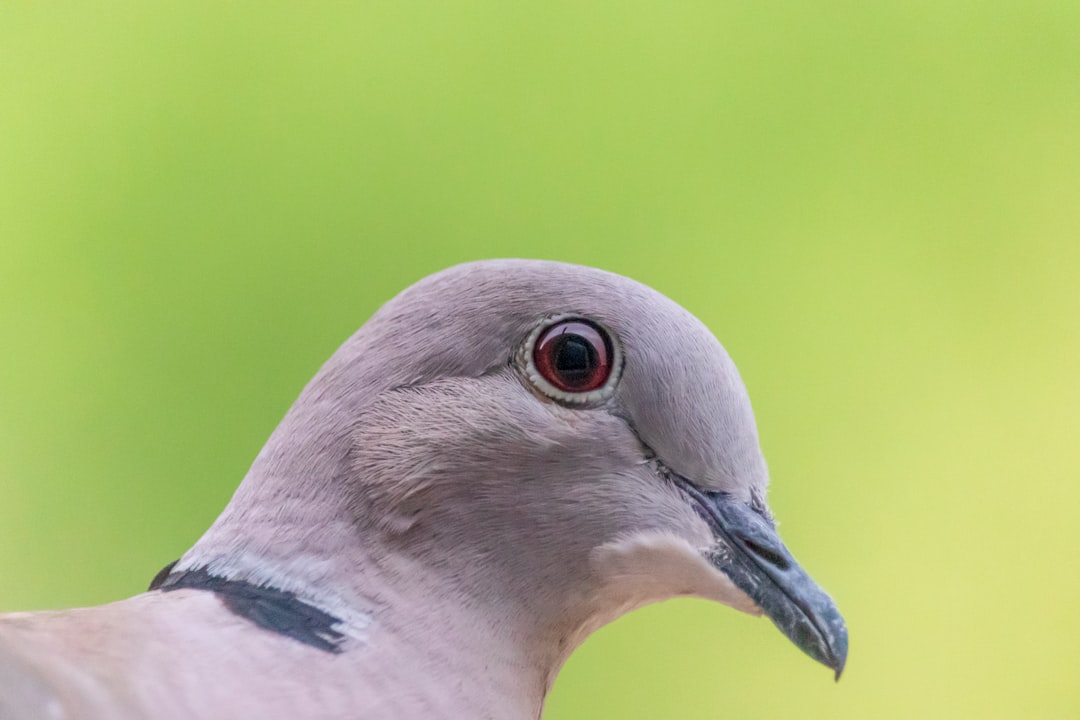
(572,360)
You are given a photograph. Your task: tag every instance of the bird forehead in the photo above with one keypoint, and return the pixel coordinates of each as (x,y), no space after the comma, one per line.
(500,301)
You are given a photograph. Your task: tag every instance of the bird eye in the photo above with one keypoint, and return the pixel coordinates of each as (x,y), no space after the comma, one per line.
(572,360)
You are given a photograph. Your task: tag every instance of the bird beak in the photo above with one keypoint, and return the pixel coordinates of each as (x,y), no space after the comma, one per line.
(749,551)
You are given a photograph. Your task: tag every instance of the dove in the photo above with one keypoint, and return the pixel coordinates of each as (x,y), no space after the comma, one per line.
(505,457)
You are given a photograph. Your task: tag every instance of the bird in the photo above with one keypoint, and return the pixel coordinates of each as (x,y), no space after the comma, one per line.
(506,456)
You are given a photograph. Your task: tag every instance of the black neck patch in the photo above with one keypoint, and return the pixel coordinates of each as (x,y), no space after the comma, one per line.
(271,609)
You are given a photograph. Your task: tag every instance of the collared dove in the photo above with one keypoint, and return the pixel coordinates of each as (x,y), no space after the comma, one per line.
(506,456)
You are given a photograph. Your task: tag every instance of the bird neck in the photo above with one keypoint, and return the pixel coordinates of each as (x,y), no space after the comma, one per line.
(480,656)
(450,660)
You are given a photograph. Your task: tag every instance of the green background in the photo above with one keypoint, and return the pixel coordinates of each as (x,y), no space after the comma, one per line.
(876,207)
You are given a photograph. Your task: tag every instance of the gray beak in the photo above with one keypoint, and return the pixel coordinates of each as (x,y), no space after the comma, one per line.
(749,551)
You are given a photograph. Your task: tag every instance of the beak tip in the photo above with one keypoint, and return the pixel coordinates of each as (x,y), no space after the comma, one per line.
(839,653)
(838,666)
(823,638)
(839,661)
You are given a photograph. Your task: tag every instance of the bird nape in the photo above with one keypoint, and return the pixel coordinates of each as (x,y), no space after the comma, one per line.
(506,456)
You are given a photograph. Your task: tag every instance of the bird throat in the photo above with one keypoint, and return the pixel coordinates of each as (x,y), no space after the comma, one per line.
(270,608)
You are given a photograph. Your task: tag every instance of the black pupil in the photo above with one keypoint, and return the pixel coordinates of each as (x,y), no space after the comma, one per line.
(574,359)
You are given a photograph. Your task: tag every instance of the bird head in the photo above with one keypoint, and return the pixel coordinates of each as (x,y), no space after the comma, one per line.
(548,437)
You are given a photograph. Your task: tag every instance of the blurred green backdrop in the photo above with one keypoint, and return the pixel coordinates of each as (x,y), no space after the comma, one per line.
(876,206)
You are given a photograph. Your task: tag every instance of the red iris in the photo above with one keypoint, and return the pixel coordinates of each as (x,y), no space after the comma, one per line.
(574,356)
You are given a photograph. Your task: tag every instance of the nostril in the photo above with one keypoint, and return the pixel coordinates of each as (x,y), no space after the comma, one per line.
(767,554)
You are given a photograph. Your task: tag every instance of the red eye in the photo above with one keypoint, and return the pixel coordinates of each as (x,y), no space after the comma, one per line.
(573,355)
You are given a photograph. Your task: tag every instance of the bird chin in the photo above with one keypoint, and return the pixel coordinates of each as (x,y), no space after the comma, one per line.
(650,567)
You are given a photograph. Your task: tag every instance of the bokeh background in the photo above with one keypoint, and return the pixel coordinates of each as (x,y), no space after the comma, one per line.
(876,207)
